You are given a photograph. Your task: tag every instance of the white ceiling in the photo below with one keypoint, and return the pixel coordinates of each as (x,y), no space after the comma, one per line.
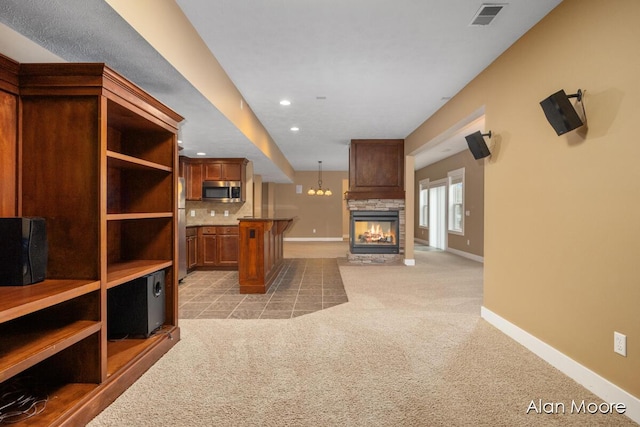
(351,68)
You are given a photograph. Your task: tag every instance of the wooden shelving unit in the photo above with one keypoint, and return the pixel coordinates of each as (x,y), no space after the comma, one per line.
(99,163)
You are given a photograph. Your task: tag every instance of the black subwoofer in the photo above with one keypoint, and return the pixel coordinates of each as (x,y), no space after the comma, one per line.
(136,308)
(23,251)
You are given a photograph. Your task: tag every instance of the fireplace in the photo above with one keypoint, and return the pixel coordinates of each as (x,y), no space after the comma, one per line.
(374,232)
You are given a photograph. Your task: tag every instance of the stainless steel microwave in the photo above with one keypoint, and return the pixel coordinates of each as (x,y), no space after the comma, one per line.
(222,191)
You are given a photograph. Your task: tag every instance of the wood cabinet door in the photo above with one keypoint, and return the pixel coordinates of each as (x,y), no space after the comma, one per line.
(192,252)
(193,181)
(213,172)
(228,250)
(208,250)
(231,172)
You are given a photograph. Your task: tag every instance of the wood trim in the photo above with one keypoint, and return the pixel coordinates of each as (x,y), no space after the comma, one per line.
(92,79)
(9,75)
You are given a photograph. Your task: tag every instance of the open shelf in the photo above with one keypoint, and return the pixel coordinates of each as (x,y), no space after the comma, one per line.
(123,161)
(26,347)
(17,301)
(126,271)
(121,353)
(142,215)
(99,164)
(61,398)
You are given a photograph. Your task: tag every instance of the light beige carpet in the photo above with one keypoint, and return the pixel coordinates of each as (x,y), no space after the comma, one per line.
(408,349)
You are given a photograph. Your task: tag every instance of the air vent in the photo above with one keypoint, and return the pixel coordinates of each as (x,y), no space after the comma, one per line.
(486,14)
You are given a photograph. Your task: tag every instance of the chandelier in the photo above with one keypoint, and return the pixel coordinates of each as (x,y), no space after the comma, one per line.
(319,192)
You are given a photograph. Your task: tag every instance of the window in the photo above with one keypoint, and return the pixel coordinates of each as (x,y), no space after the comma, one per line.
(456,201)
(424,203)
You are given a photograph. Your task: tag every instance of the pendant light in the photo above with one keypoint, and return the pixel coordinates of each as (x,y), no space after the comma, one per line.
(319,192)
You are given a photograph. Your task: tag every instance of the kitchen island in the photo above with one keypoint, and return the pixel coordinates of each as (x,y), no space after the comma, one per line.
(260,253)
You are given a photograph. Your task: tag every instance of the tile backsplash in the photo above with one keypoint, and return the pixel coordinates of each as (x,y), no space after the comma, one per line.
(199,213)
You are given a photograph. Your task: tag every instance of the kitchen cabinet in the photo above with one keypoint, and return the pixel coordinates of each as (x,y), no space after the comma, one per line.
(192,248)
(192,174)
(208,246)
(105,153)
(223,171)
(227,247)
(218,247)
(195,171)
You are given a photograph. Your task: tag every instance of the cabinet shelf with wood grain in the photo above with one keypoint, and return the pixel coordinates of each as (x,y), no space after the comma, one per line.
(99,162)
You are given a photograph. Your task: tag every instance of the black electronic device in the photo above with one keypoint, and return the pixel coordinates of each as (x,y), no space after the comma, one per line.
(23,251)
(477,146)
(560,113)
(137,307)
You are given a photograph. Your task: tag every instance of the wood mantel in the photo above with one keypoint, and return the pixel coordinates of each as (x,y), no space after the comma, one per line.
(260,253)
(376,169)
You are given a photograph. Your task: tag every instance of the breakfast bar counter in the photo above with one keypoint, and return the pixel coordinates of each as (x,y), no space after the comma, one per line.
(260,253)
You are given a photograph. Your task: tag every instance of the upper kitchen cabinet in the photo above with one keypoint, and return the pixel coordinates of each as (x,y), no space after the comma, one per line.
(195,171)
(224,170)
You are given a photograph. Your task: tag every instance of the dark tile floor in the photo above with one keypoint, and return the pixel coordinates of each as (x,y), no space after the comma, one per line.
(304,285)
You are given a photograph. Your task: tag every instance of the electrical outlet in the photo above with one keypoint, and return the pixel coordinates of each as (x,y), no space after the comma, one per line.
(226,213)
(314,231)
(620,343)
(192,212)
(213,213)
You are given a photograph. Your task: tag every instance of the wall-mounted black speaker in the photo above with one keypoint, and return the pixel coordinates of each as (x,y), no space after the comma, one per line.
(136,307)
(23,251)
(476,144)
(560,113)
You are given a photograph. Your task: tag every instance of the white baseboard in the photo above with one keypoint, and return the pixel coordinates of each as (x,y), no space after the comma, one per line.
(466,255)
(313,239)
(598,385)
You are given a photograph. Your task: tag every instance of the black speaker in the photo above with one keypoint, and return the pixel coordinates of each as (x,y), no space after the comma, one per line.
(560,113)
(23,251)
(476,144)
(136,307)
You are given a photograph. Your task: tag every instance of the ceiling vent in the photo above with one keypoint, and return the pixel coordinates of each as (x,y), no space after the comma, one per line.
(486,14)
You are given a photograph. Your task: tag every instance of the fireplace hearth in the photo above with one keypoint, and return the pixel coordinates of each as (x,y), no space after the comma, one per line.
(374,232)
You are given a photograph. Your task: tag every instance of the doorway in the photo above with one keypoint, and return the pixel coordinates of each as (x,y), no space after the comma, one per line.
(438,214)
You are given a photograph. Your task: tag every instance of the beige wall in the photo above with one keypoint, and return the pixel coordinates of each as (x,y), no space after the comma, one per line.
(561,227)
(324,214)
(473,201)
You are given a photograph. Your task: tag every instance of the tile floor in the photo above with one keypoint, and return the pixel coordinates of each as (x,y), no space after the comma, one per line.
(304,285)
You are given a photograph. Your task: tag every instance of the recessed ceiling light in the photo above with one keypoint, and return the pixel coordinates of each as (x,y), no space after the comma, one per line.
(285,102)
(295,129)
(201,154)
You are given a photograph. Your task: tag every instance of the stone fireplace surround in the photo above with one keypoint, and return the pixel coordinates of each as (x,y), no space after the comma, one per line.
(379,205)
